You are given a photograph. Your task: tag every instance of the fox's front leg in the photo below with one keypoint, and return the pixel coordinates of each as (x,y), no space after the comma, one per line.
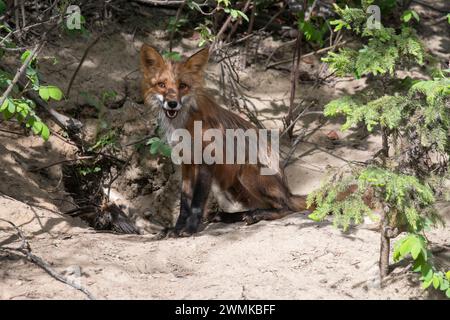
(191,216)
(188,176)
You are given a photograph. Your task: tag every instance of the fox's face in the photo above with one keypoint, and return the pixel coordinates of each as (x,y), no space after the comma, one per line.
(171,84)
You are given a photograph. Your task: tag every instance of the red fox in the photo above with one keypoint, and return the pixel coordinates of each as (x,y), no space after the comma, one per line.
(177,88)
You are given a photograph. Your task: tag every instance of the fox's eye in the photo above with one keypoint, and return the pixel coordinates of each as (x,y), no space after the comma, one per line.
(161,84)
(182,86)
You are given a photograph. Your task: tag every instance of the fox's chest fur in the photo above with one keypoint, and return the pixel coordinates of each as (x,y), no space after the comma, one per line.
(189,113)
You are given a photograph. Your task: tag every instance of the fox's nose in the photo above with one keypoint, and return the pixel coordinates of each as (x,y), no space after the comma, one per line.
(172,104)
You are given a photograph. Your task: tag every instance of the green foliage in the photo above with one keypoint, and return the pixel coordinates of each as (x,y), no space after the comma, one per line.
(47,92)
(2,7)
(416,246)
(408,14)
(206,28)
(405,195)
(84,171)
(206,35)
(414,119)
(382,54)
(235,14)
(23,109)
(108,139)
(387,111)
(175,25)
(385,50)
(423,109)
(314,30)
(347,211)
(174,56)
(157,146)
(350,18)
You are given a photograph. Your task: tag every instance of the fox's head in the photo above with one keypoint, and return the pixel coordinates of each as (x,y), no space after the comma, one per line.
(171,84)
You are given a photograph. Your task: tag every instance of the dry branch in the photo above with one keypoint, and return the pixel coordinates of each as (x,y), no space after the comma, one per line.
(81,63)
(25,249)
(21,71)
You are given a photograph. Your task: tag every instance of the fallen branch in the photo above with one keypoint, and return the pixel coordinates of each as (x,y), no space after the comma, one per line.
(13,132)
(26,250)
(61,161)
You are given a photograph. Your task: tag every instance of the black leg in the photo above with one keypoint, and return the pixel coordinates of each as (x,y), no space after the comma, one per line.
(184,213)
(202,188)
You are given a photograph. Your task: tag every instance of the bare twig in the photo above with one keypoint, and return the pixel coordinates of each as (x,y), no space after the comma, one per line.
(305,55)
(177,17)
(13,132)
(217,39)
(295,71)
(297,118)
(61,161)
(21,71)
(249,31)
(16,14)
(22,9)
(81,63)
(25,249)
(293,147)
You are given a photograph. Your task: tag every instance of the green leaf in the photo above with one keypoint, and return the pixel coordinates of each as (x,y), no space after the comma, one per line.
(2,7)
(427,283)
(314,217)
(5,104)
(243,15)
(444,285)
(47,92)
(415,15)
(436,281)
(407,15)
(174,56)
(152,140)
(37,127)
(155,147)
(448,275)
(447,293)
(25,55)
(11,106)
(45,133)
(415,250)
(405,248)
(165,150)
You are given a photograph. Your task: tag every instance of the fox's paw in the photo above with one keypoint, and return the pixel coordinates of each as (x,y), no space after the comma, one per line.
(250,218)
(164,234)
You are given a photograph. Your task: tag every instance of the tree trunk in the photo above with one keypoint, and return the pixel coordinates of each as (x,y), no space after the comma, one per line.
(384,254)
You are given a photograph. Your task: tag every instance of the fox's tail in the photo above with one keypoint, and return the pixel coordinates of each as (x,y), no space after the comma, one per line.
(298,203)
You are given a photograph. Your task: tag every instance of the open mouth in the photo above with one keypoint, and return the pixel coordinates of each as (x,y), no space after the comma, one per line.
(171,113)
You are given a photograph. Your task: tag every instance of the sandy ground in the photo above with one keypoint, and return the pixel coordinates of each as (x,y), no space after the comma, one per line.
(292,258)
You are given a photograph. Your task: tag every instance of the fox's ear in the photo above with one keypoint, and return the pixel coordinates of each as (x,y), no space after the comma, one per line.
(197,61)
(151,60)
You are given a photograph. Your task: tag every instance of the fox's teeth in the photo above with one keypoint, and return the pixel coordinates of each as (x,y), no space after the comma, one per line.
(171,113)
